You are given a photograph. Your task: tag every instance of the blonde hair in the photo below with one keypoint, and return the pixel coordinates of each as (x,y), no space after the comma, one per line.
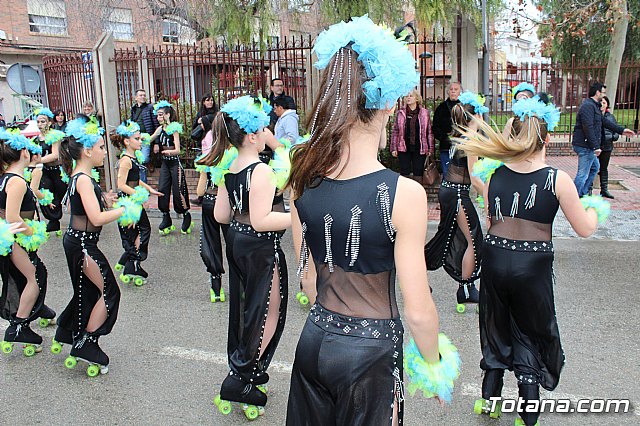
(416,94)
(530,137)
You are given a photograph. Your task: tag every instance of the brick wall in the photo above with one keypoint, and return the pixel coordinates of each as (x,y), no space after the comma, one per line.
(619,149)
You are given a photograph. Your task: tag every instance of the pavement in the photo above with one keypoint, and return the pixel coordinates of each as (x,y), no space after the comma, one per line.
(168,348)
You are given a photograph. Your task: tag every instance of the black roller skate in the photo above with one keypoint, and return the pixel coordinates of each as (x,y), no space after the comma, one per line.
(166,226)
(252,397)
(123,261)
(20,332)
(187,224)
(467,293)
(85,348)
(216,296)
(492,383)
(47,316)
(62,337)
(53,227)
(133,272)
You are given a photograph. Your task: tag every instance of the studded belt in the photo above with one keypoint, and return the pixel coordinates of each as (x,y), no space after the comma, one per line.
(386,329)
(50,168)
(248,230)
(452,185)
(83,235)
(170,157)
(519,245)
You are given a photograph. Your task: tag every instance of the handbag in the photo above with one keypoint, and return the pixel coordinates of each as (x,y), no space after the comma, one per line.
(430,175)
(197,134)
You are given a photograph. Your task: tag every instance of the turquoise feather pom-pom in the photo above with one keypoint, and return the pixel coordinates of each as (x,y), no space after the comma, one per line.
(53,136)
(432,379)
(6,238)
(484,168)
(39,235)
(48,197)
(95,175)
(173,128)
(64,176)
(222,168)
(27,174)
(141,195)
(281,165)
(599,204)
(132,211)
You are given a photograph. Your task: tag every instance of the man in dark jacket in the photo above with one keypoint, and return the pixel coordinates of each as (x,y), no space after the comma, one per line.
(587,135)
(277,91)
(442,124)
(142,113)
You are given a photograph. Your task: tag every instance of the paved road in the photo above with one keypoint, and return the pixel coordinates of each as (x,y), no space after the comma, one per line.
(167,349)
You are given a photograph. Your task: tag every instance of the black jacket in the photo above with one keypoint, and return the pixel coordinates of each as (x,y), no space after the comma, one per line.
(442,123)
(589,129)
(609,136)
(143,115)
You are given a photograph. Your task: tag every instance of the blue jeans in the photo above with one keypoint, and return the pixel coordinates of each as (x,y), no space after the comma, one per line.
(444,162)
(588,167)
(146,150)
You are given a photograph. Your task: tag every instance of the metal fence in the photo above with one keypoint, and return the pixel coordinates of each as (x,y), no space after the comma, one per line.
(69,80)
(569,86)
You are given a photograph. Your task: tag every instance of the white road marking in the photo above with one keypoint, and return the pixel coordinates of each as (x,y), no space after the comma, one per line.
(217,358)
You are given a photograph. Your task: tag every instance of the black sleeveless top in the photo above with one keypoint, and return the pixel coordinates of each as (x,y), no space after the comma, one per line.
(166,142)
(28,205)
(523,205)
(133,176)
(79,220)
(346,225)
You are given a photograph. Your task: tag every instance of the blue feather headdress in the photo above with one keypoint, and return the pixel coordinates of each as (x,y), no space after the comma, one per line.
(161,104)
(389,64)
(521,88)
(85,132)
(34,148)
(474,99)
(14,140)
(535,107)
(43,111)
(128,129)
(251,114)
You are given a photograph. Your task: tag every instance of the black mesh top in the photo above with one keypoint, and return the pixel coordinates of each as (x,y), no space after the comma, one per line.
(28,206)
(79,220)
(523,205)
(458,171)
(46,150)
(346,225)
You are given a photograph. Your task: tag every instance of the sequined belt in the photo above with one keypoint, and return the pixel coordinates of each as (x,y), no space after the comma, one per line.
(452,185)
(519,245)
(386,329)
(83,235)
(248,230)
(209,196)
(170,157)
(50,168)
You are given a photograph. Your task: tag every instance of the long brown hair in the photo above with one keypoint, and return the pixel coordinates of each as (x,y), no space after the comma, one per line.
(531,135)
(226,132)
(331,118)
(461,115)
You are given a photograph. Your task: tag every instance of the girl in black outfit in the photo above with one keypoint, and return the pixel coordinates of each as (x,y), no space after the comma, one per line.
(49,140)
(172,177)
(93,309)
(257,267)
(135,241)
(24,276)
(518,327)
(456,245)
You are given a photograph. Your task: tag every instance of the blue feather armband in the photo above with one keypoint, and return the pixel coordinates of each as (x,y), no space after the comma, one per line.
(47,199)
(484,168)
(599,204)
(141,195)
(6,238)
(132,211)
(39,235)
(432,379)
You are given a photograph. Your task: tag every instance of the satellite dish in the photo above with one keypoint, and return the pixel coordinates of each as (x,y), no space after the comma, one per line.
(23,79)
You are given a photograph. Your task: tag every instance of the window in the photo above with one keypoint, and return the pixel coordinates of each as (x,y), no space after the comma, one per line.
(170,31)
(47,17)
(120,23)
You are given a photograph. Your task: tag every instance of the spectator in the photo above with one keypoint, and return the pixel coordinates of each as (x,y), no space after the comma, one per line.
(2,122)
(287,124)
(587,136)
(608,137)
(442,124)
(205,115)
(90,110)
(141,113)
(412,137)
(277,91)
(59,120)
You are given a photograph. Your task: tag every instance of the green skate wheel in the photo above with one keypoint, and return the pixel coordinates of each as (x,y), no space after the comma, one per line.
(93,370)
(477,309)
(478,406)
(138,281)
(44,322)
(29,350)
(119,267)
(212,296)
(223,406)
(172,228)
(251,412)
(460,308)
(56,347)
(304,300)
(125,278)
(70,362)
(59,233)
(222,296)
(263,388)
(497,413)
(7,347)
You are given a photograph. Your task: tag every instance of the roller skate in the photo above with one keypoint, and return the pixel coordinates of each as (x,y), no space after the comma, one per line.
(20,332)
(252,397)
(62,337)
(187,224)
(86,349)
(47,316)
(123,261)
(520,422)
(166,226)
(467,293)
(220,296)
(133,272)
(302,298)
(482,406)
(53,227)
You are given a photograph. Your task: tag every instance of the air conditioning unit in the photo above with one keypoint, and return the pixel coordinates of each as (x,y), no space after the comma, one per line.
(3,70)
